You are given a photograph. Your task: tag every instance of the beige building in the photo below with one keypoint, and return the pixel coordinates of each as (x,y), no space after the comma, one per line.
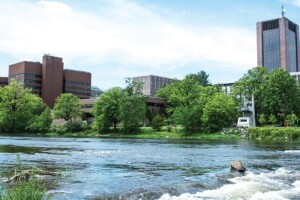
(152,83)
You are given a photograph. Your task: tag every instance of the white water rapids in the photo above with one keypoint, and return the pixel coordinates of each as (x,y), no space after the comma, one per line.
(281,184)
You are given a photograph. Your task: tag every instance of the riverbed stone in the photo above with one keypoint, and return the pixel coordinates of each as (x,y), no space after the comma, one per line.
(237,166)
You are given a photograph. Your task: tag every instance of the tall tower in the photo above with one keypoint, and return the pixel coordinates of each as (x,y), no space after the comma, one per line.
(278,44)
(52,79)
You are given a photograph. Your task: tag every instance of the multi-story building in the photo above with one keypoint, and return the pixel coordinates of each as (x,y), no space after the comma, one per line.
(27,73)
(78,83)
(3,81)
(95,92)
(49,79)
(152,83)
(278,44)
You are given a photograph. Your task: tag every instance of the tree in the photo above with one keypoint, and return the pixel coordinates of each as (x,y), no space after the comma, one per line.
(41,123)
(201,77)
(262,119)
(272,119)
(219,112)
(157,122)
(280,94)
(18,106)
(107,109)
(68,107)
(132,108)
(186,100)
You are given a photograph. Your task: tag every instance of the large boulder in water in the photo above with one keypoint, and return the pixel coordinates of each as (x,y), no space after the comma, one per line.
(237,166)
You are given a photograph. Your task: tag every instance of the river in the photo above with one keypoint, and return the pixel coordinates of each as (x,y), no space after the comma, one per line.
(159,169)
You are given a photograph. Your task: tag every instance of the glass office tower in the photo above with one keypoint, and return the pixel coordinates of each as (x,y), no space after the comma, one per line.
(278,44)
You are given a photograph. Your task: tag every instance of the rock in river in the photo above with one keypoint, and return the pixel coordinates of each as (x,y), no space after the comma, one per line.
(237,166)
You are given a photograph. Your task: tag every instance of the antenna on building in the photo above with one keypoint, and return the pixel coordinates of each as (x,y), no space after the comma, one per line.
(283,11)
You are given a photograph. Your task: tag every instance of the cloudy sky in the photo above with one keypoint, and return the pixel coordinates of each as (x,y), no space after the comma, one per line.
(114,39)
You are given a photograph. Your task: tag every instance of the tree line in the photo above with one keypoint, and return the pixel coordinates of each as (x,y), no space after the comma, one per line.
(192,103)
(276,95)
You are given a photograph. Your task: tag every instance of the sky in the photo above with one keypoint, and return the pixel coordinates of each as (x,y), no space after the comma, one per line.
(116,39)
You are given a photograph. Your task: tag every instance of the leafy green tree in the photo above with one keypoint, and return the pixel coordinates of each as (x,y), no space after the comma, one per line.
(107,109)
(132,108)
(291,119)
(272,119)
(262,119)
(280,94)
(157,122)
(68,107)
(201,77)
(219,112)
(18,106)
(186,100)
(41,123)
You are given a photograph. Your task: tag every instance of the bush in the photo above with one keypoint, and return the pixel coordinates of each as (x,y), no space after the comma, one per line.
(271,133)
(157,122)
(70,126)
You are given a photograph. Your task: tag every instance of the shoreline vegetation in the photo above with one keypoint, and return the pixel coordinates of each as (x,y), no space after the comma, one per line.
(255,133)
(145,133)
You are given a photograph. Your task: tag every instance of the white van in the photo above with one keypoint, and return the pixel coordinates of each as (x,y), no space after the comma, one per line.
(244,122)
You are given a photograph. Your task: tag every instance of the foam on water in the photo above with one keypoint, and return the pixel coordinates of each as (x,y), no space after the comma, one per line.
(292,151)
(278,185)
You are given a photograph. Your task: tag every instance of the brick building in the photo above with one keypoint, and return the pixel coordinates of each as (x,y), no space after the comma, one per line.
(49,79)
(3,81)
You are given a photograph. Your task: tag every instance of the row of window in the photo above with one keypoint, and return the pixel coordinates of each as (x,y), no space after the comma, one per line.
(3,83)
(77,88)
(32,87)
(271,49)
(78,93)
(77,83)
(292,51)
(29,81)
(293,27)
(26,75)
(156,104)
(274,24)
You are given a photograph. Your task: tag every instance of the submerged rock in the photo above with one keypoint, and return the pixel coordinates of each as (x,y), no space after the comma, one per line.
(237,166)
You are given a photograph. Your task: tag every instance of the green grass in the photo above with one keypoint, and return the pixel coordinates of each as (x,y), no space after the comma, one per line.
(147,133)
(24,190)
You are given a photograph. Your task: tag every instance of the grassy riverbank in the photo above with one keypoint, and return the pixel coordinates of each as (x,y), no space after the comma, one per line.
(148,133)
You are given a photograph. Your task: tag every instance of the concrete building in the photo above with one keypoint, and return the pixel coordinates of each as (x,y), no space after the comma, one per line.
(226,87)
(296,76)
(278,44)
(152,83)
(3,81)
(49,79)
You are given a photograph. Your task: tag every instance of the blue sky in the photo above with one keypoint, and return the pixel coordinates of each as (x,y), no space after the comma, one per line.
(115,39)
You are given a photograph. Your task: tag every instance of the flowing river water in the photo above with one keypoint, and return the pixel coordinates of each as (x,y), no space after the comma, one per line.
(159,169)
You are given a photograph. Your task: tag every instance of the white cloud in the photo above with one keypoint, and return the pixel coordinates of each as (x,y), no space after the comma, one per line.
(295,2)
(126,32)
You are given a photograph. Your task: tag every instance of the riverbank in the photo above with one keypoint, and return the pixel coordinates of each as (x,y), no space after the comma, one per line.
(148,133)
(145,133)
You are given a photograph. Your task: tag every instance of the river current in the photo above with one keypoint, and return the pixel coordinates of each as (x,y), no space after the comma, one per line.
(159,169)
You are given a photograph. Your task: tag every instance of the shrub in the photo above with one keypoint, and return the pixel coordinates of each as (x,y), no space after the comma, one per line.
(270,133)
(157,122)
(262,119)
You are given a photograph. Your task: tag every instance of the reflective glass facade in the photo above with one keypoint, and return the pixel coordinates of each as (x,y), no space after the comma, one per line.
(292,51)
(271,49)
